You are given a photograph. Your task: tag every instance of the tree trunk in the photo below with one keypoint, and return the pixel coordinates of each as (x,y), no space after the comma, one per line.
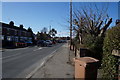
(80,38)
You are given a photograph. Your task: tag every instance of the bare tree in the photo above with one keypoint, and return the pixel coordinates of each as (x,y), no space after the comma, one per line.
(91,20)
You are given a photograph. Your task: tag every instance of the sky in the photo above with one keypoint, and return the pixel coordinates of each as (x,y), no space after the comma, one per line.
(45,14)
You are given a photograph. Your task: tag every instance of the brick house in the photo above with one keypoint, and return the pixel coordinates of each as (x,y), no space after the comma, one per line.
(12,34)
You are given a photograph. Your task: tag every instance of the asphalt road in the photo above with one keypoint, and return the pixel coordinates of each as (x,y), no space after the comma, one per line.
(18,63)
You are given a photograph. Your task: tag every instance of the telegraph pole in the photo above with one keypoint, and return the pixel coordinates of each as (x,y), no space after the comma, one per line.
(50,32)
(70,23)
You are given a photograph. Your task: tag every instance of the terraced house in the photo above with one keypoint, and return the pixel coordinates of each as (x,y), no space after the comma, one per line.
(12,35)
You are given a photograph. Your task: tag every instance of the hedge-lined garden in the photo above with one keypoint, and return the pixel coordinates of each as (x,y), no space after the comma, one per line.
(101,49)
(92,33)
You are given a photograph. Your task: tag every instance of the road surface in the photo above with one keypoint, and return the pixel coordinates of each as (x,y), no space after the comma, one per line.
(19,63)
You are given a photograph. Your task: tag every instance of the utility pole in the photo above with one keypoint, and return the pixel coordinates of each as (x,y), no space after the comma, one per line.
(50,32)
(70,23)
(50,29)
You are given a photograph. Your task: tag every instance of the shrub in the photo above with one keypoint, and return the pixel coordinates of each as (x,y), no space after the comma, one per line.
(95,44)
(111,41)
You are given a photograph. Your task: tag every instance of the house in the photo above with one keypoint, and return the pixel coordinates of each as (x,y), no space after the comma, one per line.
(12,34)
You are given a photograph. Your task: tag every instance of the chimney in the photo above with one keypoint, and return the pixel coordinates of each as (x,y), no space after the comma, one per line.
(11,23)
(21,26)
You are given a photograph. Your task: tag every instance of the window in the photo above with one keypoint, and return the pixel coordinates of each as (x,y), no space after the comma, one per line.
(16,39)
(15,32)
(8,31)
(9,38)
(2,37)
(12,38)
(21,38)
(29,39)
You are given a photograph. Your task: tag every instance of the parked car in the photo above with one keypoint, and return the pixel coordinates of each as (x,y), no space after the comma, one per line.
(53,41)
(61,41)
(64,41)
(49,42)
(29,43)
(41,43)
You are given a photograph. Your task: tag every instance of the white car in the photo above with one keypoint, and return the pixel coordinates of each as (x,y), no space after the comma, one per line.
(49,42)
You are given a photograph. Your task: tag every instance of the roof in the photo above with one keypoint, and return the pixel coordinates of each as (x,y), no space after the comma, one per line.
(12,27)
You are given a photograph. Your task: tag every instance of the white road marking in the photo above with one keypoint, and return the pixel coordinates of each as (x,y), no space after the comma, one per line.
(16,49)
(18,53)
(10,56)
(37,49)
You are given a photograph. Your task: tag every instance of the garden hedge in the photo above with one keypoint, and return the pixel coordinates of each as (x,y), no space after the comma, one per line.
(109,62)
(95,44)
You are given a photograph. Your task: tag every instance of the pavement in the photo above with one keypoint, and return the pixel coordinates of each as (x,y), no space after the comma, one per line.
(1,49)
(60,65)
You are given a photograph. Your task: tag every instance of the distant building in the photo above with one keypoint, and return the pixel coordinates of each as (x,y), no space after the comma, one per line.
(11,33)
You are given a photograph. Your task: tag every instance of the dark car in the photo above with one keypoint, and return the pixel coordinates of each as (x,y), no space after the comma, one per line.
(62,41)
(41,43)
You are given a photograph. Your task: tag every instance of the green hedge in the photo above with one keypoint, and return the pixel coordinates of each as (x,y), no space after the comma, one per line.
(95,44)
(111,41)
